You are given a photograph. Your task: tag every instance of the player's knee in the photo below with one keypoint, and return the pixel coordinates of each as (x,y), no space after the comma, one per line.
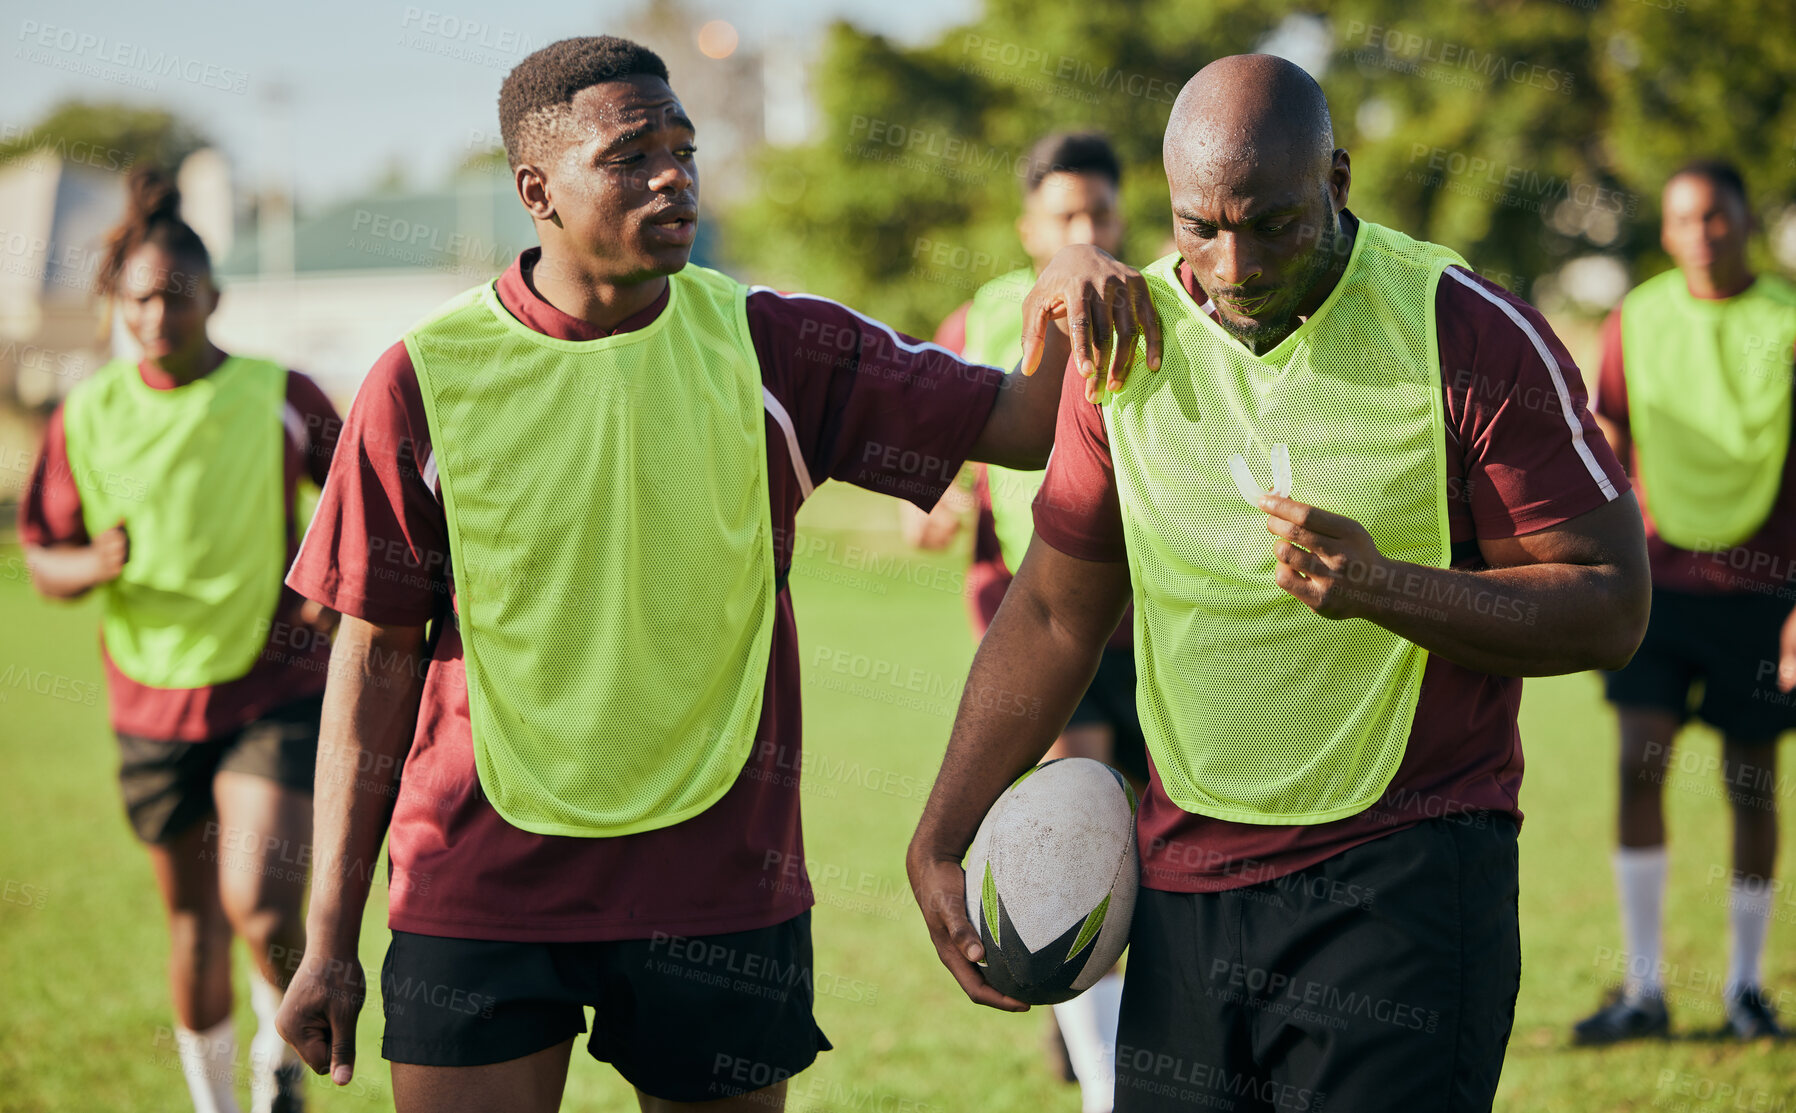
(198,937)
(267,930)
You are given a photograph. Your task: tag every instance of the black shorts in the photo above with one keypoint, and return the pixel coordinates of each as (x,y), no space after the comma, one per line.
(1728,644)
(1110,701)
(168,785)
(1382,978)
(681,1018)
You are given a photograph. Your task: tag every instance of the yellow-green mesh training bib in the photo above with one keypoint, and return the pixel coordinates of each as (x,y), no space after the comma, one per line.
(195,474)
(995,336)
(612,548)
(1255,708)
(1709,404)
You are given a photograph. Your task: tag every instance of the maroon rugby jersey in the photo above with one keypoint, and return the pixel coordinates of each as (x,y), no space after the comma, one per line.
(1523,455)
(844,392)
(293,661)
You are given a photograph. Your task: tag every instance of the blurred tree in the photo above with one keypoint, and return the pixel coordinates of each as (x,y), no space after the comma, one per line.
(485,162)
(1522,133)
(1702,79)
(1479,126)
(907,201)
(114,135)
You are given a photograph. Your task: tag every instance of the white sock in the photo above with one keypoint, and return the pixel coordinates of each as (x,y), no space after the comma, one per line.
(1088,1025)
(1749,913)
(1640,879)
(209,1060)
(267,1050)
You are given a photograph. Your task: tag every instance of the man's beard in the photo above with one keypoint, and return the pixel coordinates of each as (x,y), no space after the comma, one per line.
(1259,335)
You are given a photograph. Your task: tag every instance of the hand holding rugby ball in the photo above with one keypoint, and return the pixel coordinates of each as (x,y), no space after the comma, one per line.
(1051,880)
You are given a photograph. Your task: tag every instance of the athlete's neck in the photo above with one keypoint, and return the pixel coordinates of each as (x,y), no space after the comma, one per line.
(182,368)
(1346,228)
(1341,250)
(570,285)
(1724,280)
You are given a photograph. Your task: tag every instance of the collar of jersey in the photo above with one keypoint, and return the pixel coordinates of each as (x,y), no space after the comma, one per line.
(490,296)
(183,390)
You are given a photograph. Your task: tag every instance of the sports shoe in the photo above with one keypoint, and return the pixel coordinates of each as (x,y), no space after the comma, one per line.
(289,1093)
(1749,1015)
(1622,1019)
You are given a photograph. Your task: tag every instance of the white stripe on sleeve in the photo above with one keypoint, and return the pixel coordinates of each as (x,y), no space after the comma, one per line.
(1566,408)
(784,420)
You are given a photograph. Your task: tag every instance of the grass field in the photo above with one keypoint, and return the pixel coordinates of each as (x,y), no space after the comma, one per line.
(85,1025)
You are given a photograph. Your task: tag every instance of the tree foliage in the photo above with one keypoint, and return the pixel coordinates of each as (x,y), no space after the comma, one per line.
(108,135)
(1522,133)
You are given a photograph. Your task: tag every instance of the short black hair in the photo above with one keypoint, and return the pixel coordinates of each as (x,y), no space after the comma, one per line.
(1072,152)
(1719,172)
(539,91)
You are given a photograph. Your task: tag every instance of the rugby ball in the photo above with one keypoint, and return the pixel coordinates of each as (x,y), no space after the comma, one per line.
(1051,880)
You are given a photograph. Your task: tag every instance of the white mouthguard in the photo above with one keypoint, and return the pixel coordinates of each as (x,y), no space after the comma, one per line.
(1250,487)
(1244,481)
(1281,470)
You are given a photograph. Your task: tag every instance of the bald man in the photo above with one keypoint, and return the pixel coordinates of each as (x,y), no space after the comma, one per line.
(1329,671)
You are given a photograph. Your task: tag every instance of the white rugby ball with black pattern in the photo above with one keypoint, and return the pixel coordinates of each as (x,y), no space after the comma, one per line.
(1051,880)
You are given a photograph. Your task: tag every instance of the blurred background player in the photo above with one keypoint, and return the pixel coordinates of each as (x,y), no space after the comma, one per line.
(1069,197)
(171,485)
(1695,393)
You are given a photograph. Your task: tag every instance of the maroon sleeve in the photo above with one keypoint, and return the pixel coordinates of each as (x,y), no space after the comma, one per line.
(50,513)
(1611,396)
(952,332)
(378,547)
(870,406)
(1516,407)
(323,425)
(1077,509)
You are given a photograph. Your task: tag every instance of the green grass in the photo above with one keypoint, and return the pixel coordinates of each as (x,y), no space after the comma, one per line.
(81,935)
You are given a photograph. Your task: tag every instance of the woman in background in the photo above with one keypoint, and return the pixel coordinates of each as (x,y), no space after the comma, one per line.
(170,486)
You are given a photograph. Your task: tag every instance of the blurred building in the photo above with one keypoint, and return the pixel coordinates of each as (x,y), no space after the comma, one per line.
(55,215)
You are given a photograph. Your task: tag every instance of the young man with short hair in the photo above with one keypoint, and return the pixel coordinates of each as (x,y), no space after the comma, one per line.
(583,478)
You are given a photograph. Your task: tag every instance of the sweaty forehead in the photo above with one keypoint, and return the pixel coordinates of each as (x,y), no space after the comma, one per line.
(1236,187)
(613,107)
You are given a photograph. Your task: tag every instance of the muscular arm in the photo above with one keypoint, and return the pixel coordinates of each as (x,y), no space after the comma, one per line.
(1039,655)
(370,711)
(1020,432)
(1565,599)
(1086,304)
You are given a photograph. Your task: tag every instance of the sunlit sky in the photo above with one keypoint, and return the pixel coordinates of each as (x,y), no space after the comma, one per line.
(367,84)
